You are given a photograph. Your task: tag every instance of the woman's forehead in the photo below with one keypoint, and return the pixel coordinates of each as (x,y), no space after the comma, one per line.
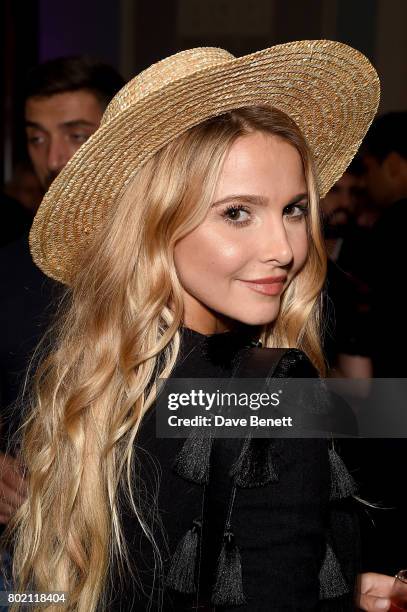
(261,164)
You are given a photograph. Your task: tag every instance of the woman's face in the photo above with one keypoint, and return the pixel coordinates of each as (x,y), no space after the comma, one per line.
(236,265)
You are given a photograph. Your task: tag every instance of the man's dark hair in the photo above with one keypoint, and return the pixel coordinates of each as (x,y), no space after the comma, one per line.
(72,74)
(355,167)
(387,134)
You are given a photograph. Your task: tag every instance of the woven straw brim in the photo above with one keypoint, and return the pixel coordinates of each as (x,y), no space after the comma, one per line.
(329,89)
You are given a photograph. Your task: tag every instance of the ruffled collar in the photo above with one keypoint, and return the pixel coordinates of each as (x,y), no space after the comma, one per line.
(222,348)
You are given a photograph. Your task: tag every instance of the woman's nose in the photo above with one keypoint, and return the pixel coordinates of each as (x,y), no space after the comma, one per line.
(274,244)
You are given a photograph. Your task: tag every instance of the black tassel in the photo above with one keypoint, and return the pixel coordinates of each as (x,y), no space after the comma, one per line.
(331,580)
(255,466)
(228,589)
(181,575)
(342,483)
(192,461)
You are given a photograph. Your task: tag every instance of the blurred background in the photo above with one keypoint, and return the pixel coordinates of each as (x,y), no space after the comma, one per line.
(132,34)
(363,216)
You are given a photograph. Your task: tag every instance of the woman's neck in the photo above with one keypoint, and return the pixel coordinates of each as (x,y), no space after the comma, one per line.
(202,319)
(210,324)
(238,328)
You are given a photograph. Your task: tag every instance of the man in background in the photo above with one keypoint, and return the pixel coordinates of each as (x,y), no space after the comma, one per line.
(25,187)
(384,156)
(64,102)
(346,298)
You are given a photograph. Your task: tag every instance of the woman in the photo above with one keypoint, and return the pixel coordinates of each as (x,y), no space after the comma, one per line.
(187,228)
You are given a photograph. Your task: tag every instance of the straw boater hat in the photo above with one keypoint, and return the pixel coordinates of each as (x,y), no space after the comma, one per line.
(329,89)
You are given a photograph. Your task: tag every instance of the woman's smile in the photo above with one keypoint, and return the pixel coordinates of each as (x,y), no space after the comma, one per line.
(265,287)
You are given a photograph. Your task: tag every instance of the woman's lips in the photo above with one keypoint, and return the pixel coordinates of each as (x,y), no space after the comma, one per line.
(267,286)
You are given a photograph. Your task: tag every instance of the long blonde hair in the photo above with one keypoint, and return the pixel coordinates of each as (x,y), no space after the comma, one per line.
(116,333)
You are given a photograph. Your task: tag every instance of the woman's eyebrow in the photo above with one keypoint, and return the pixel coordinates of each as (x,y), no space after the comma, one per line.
(243,198)
(256,200)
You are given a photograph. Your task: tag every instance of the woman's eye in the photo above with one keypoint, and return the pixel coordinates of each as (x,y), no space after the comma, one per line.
(238,215)
(296,210)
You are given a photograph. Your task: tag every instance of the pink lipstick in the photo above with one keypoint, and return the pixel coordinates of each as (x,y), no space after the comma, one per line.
(271,285)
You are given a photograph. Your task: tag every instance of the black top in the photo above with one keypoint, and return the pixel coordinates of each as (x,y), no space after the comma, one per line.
(382,461)
(15,220)
(280,528)
(347,327)
(27,303)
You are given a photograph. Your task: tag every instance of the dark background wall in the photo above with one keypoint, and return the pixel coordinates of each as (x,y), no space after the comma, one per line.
(79,26)
(131,34)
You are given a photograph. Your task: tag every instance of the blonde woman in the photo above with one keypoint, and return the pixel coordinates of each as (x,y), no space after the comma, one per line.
(187,229)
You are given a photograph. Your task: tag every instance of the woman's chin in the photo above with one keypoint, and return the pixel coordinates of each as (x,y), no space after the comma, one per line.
(256,318)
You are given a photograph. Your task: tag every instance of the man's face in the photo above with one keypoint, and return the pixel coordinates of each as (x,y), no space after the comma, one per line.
(377,180)
(56,126)
(343,196)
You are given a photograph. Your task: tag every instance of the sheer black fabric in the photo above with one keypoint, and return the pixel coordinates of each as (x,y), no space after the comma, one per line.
(281,528)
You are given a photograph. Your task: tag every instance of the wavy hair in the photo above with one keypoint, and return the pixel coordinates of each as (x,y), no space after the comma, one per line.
(117,332)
